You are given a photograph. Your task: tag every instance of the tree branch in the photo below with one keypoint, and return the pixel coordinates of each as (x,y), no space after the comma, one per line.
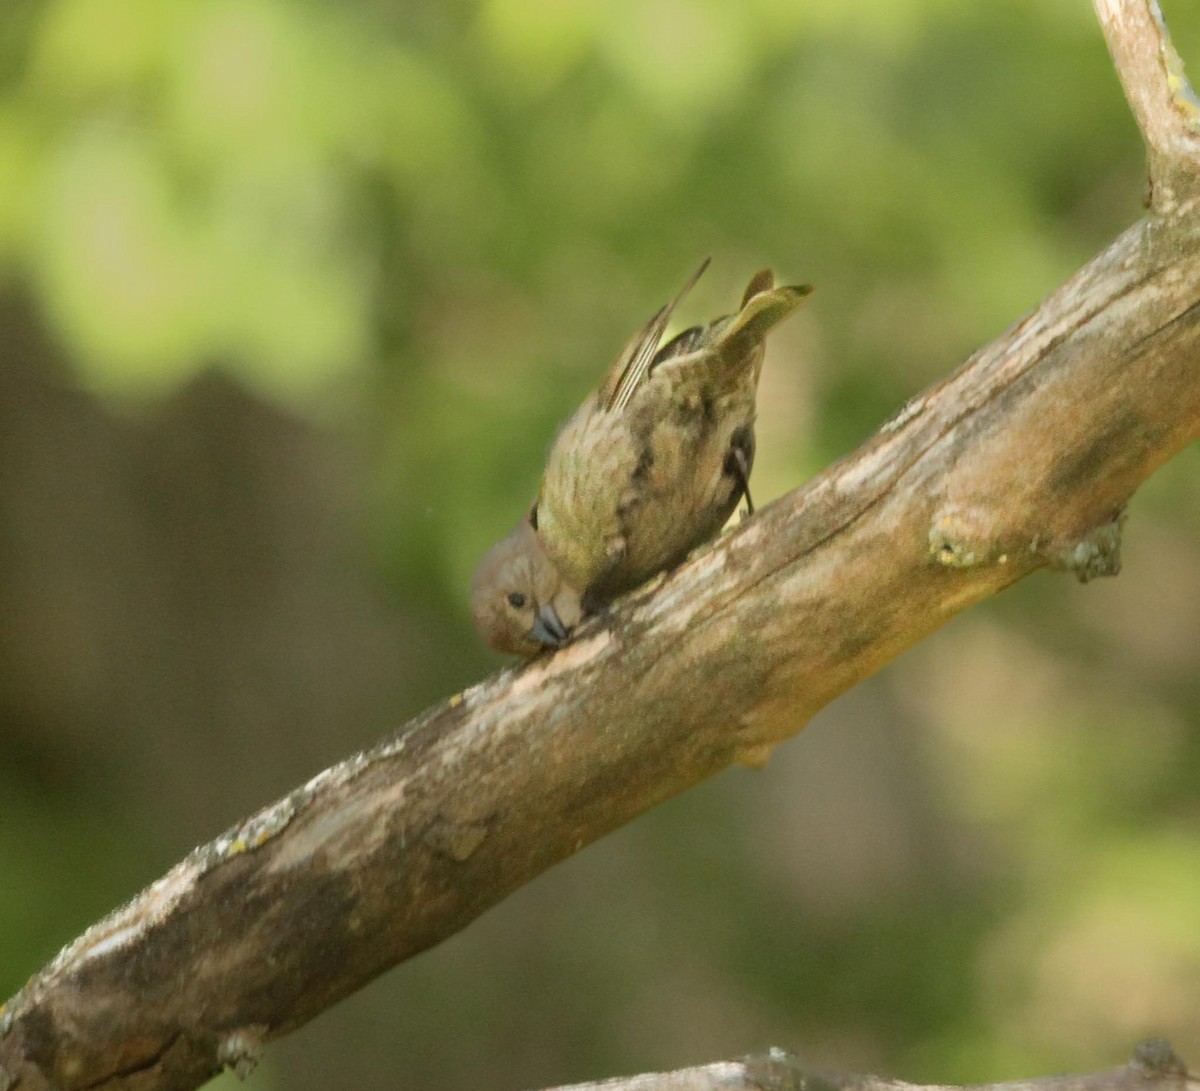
(1025,456)
(1163,103)
(1155,1067)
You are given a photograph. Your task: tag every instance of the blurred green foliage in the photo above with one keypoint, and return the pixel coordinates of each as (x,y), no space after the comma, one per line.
(312,285)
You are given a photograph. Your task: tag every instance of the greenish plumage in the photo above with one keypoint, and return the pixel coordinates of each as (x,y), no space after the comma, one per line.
(656,459)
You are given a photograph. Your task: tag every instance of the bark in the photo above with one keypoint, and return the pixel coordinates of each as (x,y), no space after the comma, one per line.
(1155,1067)
(1024,457)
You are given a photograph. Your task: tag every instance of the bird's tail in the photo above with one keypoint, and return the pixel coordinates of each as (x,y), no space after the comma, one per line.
(763,307)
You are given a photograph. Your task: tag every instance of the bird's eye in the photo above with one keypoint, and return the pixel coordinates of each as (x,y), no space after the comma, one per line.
(516,599)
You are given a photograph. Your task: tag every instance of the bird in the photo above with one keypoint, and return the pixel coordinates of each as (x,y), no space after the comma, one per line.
(659,455)
(520,603)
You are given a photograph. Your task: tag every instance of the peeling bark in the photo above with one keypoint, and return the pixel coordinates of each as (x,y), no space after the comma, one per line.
(1024,457)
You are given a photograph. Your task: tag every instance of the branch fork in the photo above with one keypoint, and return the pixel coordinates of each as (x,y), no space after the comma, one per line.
(1164,105)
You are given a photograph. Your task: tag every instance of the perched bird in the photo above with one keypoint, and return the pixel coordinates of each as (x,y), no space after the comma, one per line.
(520,602)
(656,459)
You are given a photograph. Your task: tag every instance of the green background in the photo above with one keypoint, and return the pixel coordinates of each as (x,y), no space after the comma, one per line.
(292,297)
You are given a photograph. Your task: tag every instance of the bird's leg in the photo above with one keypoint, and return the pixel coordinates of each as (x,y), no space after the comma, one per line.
(738,460)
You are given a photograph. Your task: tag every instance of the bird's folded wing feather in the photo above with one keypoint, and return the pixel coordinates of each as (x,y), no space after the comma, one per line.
(633,364)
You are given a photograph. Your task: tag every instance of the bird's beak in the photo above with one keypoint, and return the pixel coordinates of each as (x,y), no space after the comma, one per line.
(548,628)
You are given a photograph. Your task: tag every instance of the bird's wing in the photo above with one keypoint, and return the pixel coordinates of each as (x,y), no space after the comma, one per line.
(632,366)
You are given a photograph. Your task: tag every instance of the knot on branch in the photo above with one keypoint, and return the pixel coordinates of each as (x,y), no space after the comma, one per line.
(964,537)
(242,1049)
(1155,1057)
(1096,553)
